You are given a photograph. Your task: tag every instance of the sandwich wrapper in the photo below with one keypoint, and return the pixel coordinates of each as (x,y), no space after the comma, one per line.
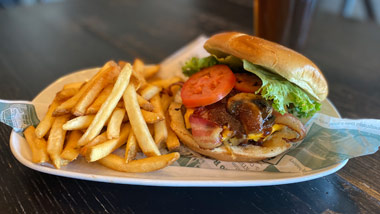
(329,140)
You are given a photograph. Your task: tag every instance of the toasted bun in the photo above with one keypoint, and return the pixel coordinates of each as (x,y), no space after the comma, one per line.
(289,64)
(249,153)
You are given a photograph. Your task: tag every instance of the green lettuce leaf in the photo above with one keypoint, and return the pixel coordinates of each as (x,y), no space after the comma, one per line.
(196,64)
(283,93)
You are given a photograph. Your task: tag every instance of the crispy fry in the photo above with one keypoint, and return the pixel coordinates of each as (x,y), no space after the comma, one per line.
(160,130)
(97,140)
(150,70)
(149,91)
(77,85)
(56,140)
(131,148)
(165,102)
(143,165)
(70,152)
(95,106)
(172,142)
(67,93)
(144,104)
(99,84)
(101,150)
(66,106)
(138,76)
(114,124)
(165,83)
(37,145)
(152,117)
(46,123)
(108,106)
(139,126)
(78,123)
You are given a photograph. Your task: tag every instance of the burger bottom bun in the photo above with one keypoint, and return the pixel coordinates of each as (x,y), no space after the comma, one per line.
(249,153)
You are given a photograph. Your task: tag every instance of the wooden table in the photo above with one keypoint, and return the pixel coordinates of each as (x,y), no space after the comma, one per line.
(38,44)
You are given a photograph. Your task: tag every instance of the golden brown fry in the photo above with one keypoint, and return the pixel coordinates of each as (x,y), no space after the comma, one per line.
(165,83)
(65,94)
(139,126)
(108,106)
(99,84)
(143,165)
(131,148)
(37,145)
(152,117)
(150,70)
(95,106)
(77,85)
(56,140)
(149,91)
(172,142)
(78,123)
(101,150)
(97,140)
(160,130)
(165,102)
(66,106)
(144,104)
(70,152)
(138,74)
(114,124)
(46,123)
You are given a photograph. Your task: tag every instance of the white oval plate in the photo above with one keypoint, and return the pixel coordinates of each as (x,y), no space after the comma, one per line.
(170,176)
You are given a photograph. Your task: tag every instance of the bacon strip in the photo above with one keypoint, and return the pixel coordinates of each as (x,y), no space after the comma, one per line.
(205,132)
(292,122)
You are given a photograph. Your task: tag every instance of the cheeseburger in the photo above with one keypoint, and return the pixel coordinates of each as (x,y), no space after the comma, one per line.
(242,103)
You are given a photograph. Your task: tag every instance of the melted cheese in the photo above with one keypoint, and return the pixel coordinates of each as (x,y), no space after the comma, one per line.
(189,111)
(226,134)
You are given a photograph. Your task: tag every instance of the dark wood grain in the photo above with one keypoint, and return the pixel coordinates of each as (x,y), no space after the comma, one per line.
(41,43)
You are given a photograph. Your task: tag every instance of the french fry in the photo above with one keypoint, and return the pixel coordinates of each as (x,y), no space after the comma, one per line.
(78,123)
(151,117)
(131,148)
(97,140)
(95,106)
(137,76)
(70,152)
(101,150)
(149,164)
(67,93)
(160,130)
(149,91)
(66,106)
(46,123)
(139,126)
(144,104)
(99,84)
(165,102)
(77,85)
(150,70)
(56,140)
(165,83)
(172,142)
(113,127)
(37,145)
(108,106)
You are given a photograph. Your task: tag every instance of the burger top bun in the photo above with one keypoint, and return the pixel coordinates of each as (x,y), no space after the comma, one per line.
(289,64)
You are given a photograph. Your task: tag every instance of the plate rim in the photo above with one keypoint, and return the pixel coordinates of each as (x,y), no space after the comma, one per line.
(313,174)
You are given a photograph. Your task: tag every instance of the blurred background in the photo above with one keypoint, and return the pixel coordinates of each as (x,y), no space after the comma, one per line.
(355,9)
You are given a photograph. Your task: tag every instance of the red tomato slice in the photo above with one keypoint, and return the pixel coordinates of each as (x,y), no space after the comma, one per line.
(246,82)
(208,86)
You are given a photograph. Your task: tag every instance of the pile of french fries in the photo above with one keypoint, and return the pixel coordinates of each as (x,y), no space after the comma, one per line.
(117,106)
